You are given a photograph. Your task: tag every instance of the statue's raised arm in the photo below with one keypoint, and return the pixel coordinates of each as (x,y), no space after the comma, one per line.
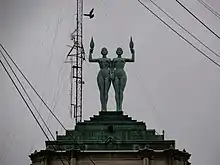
(131,45)
(91,51)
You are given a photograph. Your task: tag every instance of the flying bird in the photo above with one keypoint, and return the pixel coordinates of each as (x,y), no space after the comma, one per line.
(91,14)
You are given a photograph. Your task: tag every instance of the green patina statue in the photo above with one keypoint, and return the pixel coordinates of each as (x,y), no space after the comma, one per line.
(103,78)
(119,76)
(111,71)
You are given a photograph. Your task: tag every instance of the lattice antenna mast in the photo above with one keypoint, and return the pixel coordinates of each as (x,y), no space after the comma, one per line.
(76,56)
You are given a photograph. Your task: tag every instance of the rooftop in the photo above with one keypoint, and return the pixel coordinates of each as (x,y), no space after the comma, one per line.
(110,130)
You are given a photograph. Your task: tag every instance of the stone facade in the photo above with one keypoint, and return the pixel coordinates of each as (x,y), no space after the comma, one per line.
(143,157)
(110,138)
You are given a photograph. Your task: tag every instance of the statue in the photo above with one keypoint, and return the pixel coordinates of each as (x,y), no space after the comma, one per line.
(119,77)
(111,71)
(103,78)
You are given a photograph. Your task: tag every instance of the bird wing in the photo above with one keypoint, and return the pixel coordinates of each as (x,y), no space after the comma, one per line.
(91,11)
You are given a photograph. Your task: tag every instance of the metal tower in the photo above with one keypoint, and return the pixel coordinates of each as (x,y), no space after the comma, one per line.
(76,57)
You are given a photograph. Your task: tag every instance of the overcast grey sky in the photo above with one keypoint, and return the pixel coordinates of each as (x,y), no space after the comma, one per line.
(170,86)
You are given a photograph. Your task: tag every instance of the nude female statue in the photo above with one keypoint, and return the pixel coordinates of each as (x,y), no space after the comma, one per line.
(119,75)
(103,78)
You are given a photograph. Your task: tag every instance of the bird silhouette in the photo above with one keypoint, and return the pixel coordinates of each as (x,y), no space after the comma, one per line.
(91,14)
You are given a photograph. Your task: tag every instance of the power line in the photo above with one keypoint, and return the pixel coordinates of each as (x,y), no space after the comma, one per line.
(33,87)
(59,21)
(179,34)
(102,3)
(184,28)
(24,99)
(29,108)
(27,95)
(149,98)
(198,19)
(11,144)
(59,84)
(209,8)
(54,41)
(42,101)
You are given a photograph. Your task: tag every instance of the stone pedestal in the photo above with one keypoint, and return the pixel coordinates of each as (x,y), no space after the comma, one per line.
(110,138)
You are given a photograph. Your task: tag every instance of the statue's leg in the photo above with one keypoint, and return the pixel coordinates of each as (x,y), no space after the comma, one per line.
(117,89)
(101,81)
(107,86)
(122,84)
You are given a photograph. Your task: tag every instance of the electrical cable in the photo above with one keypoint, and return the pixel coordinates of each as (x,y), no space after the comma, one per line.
(55,36)
(102,3)
(9,148)
(53,43)
(59,85)
(27,95)
(209,8)
(184,28)
(23,99)
(178,34)
(27,104)
(41,100)
(149,101)
(198,19)
(33,87)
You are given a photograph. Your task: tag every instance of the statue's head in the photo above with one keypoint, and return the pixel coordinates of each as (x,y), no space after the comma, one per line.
(119,51)
(104,51)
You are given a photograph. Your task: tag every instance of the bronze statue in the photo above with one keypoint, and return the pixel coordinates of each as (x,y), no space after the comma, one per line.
(103,78)
(111,71)
(119,76)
